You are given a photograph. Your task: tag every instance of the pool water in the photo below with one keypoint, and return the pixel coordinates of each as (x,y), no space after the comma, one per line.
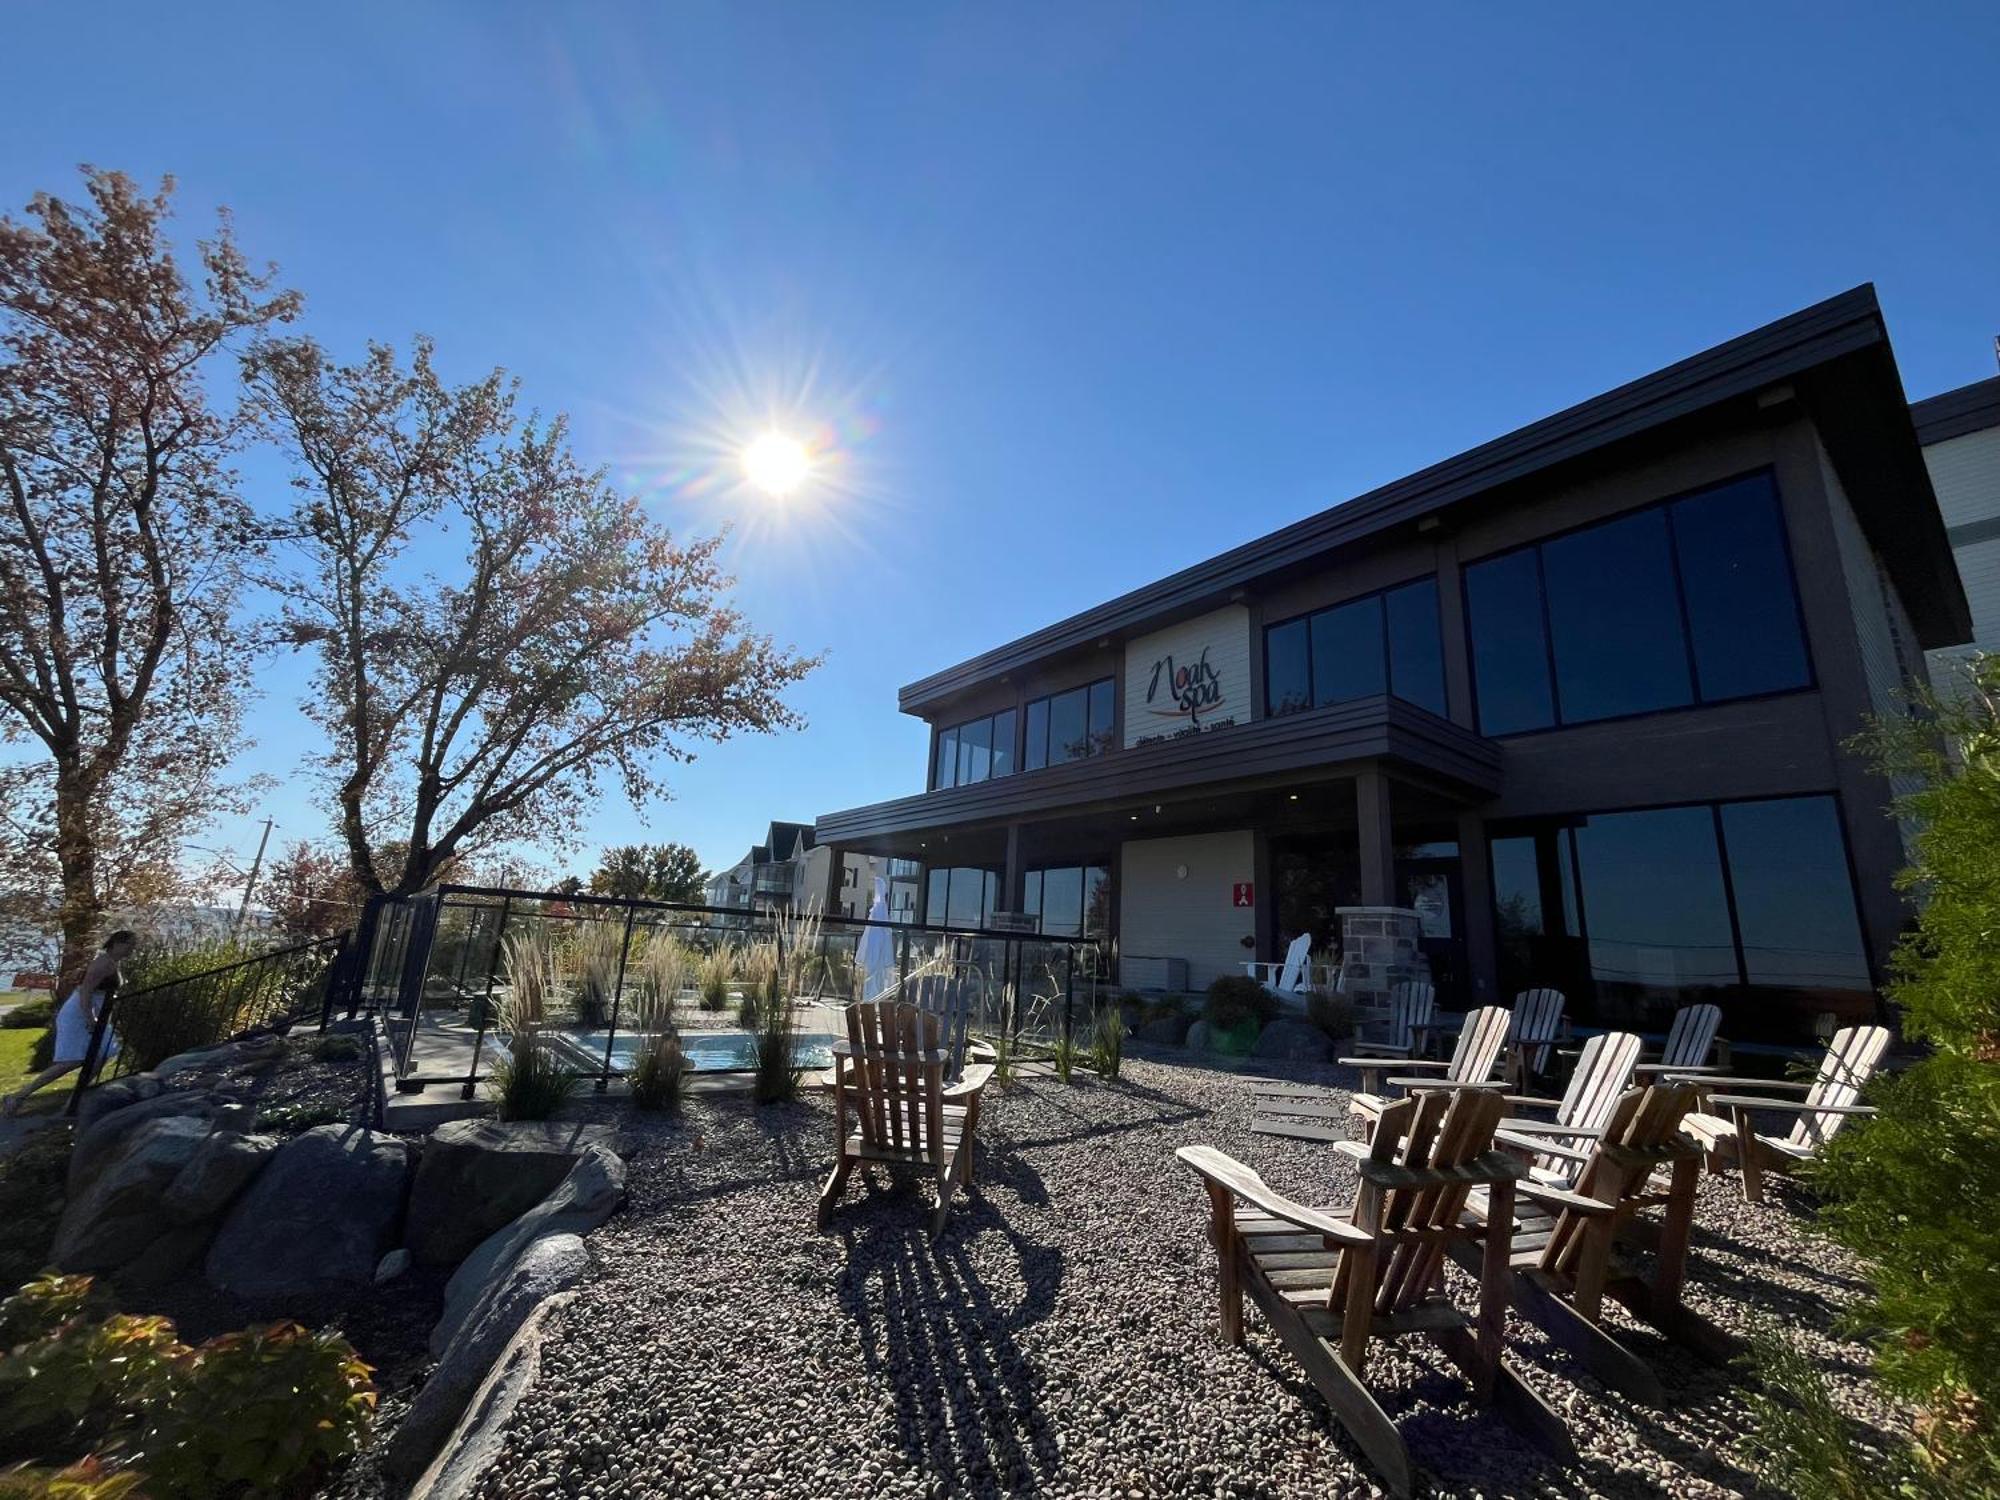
(711,1051)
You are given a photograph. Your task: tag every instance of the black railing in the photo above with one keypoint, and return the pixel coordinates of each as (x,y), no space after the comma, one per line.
(139,1029)
(447,951)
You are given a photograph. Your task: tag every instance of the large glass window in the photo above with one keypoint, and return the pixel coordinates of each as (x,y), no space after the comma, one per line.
(1615,621)
(960,895)
(1383,643)
(974,751)
(1690,601)
(1069,900)
(1632,914)
(1070,726)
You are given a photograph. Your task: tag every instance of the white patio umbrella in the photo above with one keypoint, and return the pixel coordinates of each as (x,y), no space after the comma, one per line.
(877,952)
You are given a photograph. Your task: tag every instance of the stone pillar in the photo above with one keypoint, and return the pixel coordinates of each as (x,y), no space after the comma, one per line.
(1379,947)
(1378,845)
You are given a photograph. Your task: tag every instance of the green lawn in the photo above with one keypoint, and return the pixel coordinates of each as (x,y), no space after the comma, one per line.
(15,1045)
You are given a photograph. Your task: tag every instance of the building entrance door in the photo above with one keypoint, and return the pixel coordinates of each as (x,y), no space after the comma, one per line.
(1428,881)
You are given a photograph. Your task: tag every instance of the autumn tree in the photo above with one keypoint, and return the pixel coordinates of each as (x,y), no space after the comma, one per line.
(574,641)
(122,543)
(649,872)
(310,891)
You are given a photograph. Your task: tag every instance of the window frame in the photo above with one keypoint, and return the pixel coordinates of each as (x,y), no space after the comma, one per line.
(1046,701)
(955,731)
(1379,597)
(1664,503)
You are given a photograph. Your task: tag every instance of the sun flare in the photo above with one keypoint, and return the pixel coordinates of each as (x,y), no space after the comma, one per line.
(776,464)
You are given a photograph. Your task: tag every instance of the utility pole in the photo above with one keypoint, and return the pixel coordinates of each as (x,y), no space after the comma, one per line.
(250,884)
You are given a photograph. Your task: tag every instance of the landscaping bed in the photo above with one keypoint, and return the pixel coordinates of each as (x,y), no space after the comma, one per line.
(1061,1336)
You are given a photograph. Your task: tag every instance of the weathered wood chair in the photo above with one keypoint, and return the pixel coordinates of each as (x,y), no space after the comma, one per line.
(1567,1241)
(1850,1061)
(1330,1279)
(948,995)
(1688,1045)
(1536,1026)
(1603,1069)
(1405,1027)
(890,1073)
(1472,1061)
(1291,976)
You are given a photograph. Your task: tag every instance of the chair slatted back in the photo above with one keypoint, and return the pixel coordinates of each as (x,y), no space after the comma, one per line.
(1442,1140)
(896,1076)
(1641,1133)
(948,996)
(1411,1003)
(1479,1042)
(1692,1036)
(1603,1069)
(1849,1063)
(1537,1022)
(1296,974)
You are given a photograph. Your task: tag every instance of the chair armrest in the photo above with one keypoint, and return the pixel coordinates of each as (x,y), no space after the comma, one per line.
(1550,1127)
(1560,1198)
(1354,1149)
(1226,1172)
(1401,1062)
(970,1082)
(1447,1083)
(1390,1049)
(1534,1101)
(1677,1070)
(1539,1148)
(1695,1075)
(1792,1106)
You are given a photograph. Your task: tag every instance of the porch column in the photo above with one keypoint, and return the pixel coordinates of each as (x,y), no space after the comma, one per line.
(1010,896)
(1378,847)
(829,899)
(1475,874)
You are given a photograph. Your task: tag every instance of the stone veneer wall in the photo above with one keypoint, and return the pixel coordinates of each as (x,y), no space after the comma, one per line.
(1378,948)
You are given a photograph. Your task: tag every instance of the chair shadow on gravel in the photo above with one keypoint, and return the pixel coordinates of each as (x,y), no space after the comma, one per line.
(946,1344)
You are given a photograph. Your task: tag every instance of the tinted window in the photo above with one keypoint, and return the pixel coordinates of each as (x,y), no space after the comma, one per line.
(1741,606)
(1031,893)
(1510,660)
(1794,901)
(1036,750)
(1517,888)
(1003,743)
(1062,901)
(1615,620)
(975,746)
(1287,680)
(946,773)
(971,896)
(1101,713)
(1348,658)
(1654,910)
(1096,901)
(1416,654)
(937,885)
(1069,734)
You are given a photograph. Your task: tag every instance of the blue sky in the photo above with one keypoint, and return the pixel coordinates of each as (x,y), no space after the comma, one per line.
(1085,292)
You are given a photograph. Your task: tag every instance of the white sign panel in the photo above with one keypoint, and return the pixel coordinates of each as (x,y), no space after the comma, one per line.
(1188,678)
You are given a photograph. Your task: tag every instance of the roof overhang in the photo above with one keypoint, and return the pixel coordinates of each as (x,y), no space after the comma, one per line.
(1835,354)
(1321,745)
(1970,408)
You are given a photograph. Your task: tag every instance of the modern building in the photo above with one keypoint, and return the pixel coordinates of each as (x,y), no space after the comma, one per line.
(788,871)
(1578,696)
(1960,431)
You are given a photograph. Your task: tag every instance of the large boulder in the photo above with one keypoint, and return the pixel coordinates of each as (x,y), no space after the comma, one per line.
(550,1264)
(99,1142)
(459,1470)
(477,1176)
(221,1168)
(104,1098)
(317,1218)
(1200,1036)
(1167,1030)
(584,1199)
(1288,1040)
(118,1213)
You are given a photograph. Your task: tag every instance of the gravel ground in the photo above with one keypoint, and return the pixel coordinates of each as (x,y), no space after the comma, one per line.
(1061,1338)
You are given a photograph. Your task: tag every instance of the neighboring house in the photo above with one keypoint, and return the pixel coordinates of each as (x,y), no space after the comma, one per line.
(1960,431)
(1577,696)
(788,871)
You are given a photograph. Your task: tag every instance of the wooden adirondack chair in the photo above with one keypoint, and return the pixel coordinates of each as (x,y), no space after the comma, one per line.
(1471,1062)
(1536,1027)
(1850,1061)
(1406,1031)
(890,1072)
(1603,1069)
(948,996)
(1567,1241)
(1329,1279)
(1689,1042)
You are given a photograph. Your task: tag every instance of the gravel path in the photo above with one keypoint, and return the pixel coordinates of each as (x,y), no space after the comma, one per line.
(1060,1339)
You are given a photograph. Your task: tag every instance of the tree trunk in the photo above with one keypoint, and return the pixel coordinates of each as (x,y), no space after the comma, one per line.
(82,910)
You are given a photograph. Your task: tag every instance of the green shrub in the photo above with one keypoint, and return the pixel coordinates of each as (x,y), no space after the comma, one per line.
(335,1046)
(1915,1191)
(1236,998)
(30,1013)
(1331,1013)
(777,1069)
(659,1076)
(295,1119)
(32,1180)
(718,967)
(530,1082)
(749,1010)
(43,1052)
(1107,1041)
(261,1411)
(86,1479)
(1063,1053)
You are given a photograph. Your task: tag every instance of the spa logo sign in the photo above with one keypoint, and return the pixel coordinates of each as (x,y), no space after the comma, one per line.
(1189,678)
(1184,690)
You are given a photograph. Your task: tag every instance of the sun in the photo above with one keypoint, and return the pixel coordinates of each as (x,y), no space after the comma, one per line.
(776,464)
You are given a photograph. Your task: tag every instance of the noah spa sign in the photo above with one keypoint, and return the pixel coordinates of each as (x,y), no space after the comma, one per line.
(1188,678)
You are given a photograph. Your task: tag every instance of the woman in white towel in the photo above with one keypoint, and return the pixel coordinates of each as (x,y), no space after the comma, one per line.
(77,1018)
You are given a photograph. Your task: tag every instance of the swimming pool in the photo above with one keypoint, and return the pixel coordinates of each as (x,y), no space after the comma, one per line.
(707,1051)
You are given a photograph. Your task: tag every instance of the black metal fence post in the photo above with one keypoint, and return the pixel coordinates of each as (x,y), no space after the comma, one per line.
(416,964)
(335,968)
(617,998)
(486,1001)
(1069,993)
